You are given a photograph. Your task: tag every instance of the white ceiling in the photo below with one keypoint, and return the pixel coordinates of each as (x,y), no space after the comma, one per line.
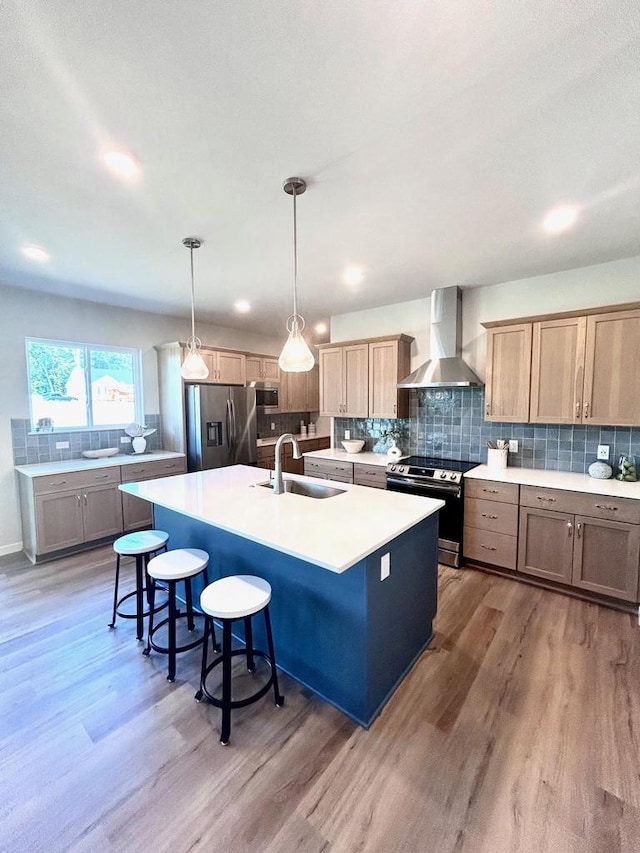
(434,137)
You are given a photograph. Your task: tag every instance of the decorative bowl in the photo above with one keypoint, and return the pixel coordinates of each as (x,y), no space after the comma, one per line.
(98,454)
(353,446)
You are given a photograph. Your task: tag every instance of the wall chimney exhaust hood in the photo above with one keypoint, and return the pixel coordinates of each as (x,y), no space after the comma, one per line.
(445,368)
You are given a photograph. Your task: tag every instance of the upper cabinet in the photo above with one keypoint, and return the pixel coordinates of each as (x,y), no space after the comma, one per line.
(225,368)
(508,373)
(568,369)
(262,368)
(299,391)
(358,378)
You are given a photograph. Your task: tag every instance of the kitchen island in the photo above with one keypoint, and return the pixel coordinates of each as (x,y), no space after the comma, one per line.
(354,576)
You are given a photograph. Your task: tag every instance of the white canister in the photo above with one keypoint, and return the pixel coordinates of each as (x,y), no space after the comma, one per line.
(497,458)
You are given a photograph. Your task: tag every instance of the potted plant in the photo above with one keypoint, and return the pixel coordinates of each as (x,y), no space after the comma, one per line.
(393,435)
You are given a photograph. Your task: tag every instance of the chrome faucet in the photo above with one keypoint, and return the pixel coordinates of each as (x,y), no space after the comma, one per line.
(278,485)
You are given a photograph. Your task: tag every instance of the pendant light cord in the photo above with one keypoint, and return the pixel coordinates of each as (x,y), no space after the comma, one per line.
(193,321)
(295,257)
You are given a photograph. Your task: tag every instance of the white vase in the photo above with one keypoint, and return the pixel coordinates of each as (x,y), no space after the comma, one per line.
(394,451)
(139,444)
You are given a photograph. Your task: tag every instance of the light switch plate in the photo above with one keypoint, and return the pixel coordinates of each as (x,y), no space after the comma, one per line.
(385,566)
(62,445)
(347,434)
(603,452)
(513,445)
(125,439)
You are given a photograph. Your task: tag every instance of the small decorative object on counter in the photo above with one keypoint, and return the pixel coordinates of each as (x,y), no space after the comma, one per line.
(312,429)
(138,433)
(497,458)
(394,435)
(600,470)
(44,425)
(627,469)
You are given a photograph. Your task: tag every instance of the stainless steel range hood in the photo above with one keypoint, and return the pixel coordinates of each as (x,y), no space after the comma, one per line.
(445,368)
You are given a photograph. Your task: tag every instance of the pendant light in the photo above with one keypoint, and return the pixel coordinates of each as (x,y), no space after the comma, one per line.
(296,357)
(193,366)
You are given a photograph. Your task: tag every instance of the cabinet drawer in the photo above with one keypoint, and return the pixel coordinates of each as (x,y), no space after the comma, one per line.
(150,470)
(581,503)
(492,490)
(487,547)
(266,450)
(327,468)
(370,475)
(491,515)
(76,480)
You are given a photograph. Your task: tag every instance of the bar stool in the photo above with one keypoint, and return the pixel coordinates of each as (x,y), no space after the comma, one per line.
(228,599)
(182,564)
(141,545)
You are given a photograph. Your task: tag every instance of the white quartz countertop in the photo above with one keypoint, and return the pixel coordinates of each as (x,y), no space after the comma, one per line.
(45,469)
(266,442)
(557,480)
(365,457)
(333,533)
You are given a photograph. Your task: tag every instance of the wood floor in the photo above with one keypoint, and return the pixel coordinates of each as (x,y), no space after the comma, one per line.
(518,730)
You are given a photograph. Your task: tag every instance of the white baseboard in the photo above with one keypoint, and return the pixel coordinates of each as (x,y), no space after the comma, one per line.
(10,549)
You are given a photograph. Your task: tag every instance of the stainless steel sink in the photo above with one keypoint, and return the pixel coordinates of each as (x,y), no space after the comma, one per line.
(309,490)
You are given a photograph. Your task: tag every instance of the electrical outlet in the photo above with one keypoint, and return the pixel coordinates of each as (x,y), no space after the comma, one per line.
(513,445)
(273,426)
(347,434)
(603,452)
(62,445)
(125,440)
(385,566)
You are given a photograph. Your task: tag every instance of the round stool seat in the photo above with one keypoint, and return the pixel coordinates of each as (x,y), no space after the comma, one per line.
(141,542)
(235,597)
(178,564)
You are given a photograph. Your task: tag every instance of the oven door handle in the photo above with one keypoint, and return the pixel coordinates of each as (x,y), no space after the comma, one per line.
(410,486)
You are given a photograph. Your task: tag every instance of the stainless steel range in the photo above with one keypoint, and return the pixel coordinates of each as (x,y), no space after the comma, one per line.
(442,479)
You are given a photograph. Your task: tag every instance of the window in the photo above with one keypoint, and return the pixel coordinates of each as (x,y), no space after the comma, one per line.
(81,386)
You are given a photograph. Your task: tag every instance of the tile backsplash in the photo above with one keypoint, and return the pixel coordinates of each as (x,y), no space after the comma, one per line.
(449,424)
(29,448)
(283,423)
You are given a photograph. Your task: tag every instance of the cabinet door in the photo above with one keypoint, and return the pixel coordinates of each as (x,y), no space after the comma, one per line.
(606,557)
(209,358)
(612,369)
(385,366)
(101,512)
(254,368)
(270,369)
(356,381)
(508,373)
(293,388)
(58,521)
(557,371)
(313,390)
(331,381)
(545,546)
(136,513)
(231,368)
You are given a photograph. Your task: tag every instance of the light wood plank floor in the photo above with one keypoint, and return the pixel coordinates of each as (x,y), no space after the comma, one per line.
(518,730)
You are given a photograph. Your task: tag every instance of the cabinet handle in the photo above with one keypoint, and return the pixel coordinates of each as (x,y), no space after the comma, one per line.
(569,528)
(487,409)
(394,408)
(578,528)
(491,491)
(578,404)
(85,498)
(586,410)
(488,547)
(542,498)
(485,515)
(606,506)
(100,476)
(78,498)
(60,483)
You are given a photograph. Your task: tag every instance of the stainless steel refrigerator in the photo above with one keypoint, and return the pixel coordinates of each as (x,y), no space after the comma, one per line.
(221,426)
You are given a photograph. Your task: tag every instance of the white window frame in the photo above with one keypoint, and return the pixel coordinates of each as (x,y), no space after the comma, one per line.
(88,348)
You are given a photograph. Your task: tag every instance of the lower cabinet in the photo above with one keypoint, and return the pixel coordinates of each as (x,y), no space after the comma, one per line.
(328,469)
(374,476)
(71,518)
(137,513)
(491,522)
(267,454)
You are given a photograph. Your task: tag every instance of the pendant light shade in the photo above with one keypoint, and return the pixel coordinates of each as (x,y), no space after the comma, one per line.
(193,366)
(296,357)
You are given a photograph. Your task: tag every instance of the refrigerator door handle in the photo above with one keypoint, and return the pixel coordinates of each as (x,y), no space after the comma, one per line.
(234,427)
(229,439)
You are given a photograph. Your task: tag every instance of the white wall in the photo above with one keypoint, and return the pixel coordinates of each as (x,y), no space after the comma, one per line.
(26,313)
(587,287)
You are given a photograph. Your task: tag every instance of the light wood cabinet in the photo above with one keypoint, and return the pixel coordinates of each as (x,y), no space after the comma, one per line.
(261,368)
(225,367)
(508,373)
(491,522)
(358,379)
(137,513)
(573,368)
(298,391)
(65,519)
(589,542)
(328,469)
(389,362)
(374,476)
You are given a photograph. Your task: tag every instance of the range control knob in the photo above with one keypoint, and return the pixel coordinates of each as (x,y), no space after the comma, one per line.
(392,467)
(401,469)
(443,474)
(452,475)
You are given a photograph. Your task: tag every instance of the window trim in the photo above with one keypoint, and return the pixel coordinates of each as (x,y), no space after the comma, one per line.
(135,352)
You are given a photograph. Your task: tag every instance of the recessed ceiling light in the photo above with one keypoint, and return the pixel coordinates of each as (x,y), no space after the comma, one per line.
(36,253)
(242,306)
(123,164)
(353,275)
(560,218)
(320,328)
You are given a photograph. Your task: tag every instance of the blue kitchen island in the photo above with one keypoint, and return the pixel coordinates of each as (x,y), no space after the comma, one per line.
(342,626)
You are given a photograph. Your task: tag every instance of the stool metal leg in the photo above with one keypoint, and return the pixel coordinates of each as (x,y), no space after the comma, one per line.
(248,641)
(208,622)
(140,573)
(189,599)
(112,624)
(279,698)
(152,607)
(171,631)
(226,682)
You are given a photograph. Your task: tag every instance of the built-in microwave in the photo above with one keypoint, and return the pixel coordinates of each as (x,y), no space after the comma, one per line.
(266,395)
